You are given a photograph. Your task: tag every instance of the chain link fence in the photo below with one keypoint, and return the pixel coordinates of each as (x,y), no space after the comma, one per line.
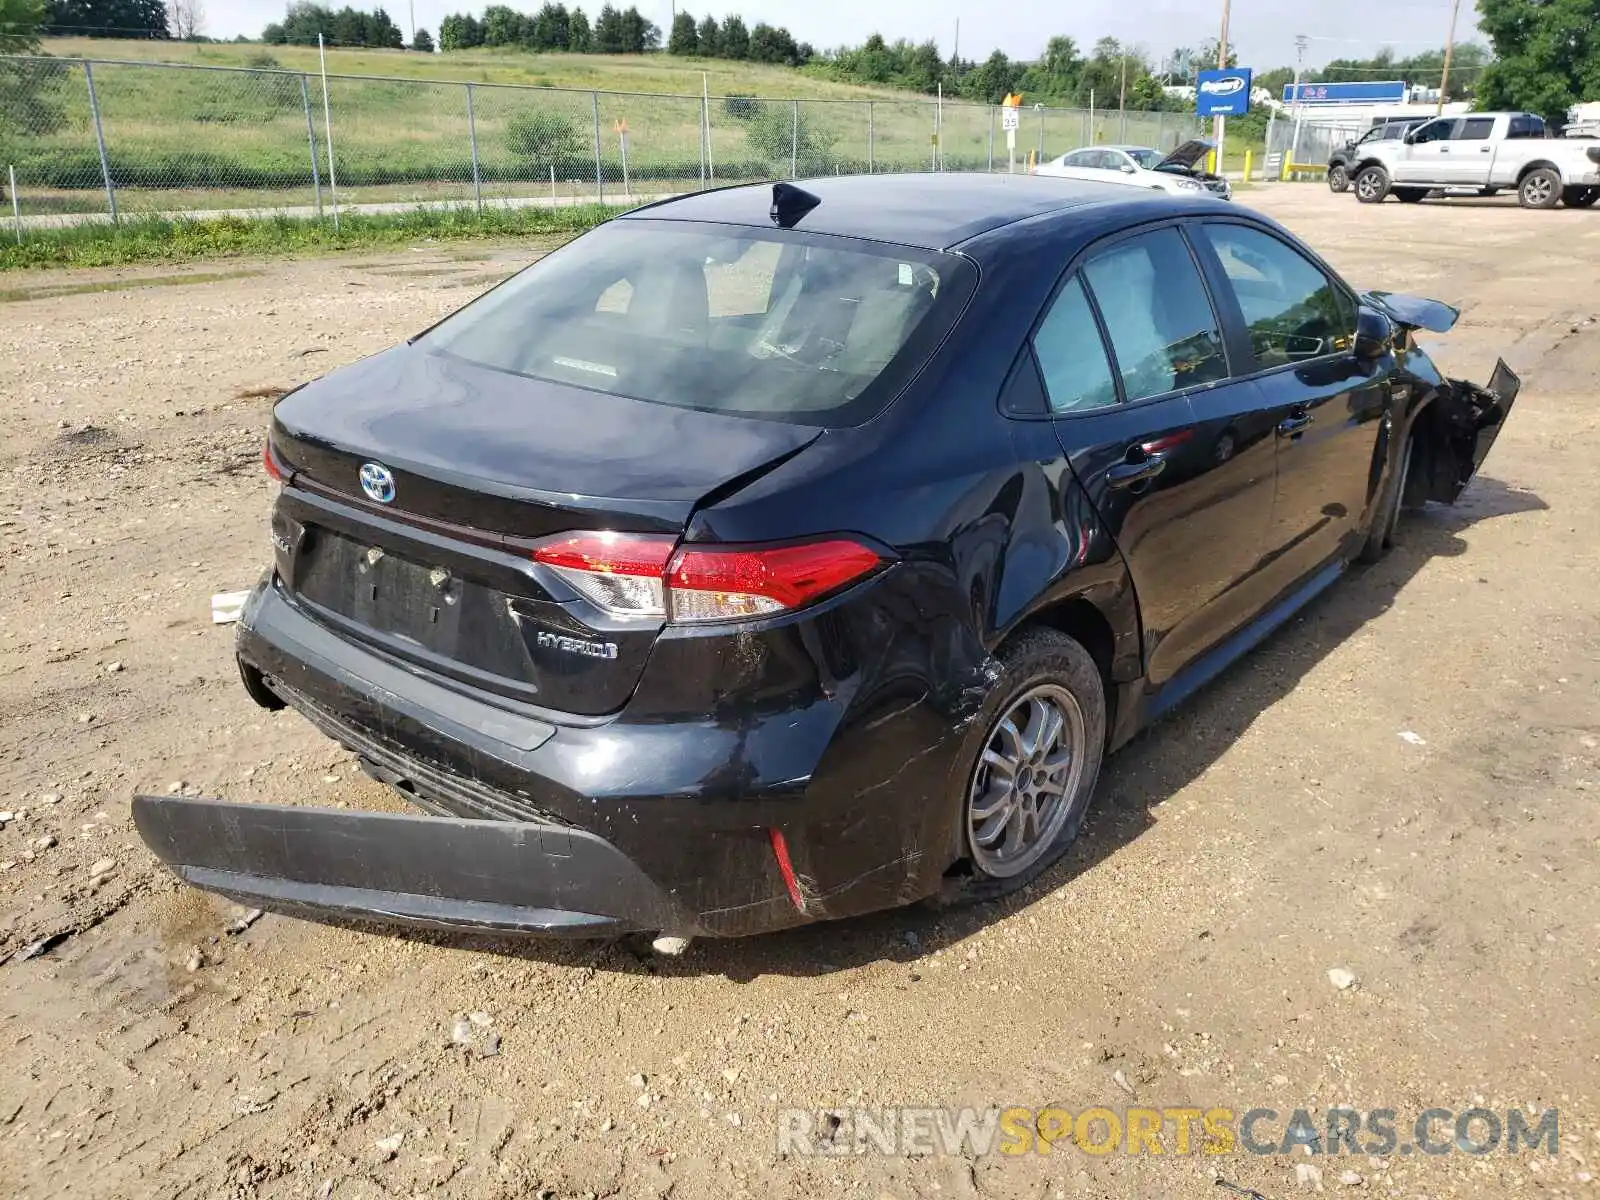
(92,139)
(1313,143)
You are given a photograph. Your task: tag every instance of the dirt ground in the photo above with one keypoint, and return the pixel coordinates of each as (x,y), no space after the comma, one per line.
(1402,784)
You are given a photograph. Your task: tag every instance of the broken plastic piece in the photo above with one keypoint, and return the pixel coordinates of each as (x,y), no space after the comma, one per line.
(226,607)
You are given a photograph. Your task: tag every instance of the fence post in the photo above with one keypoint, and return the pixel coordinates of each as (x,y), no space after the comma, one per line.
(100,140)
(16,205)
(327,130)
(705,132)
(872,168)
(599,178)
(991,139)
(311,142)
(794,142)
(472,138)
(1040,159)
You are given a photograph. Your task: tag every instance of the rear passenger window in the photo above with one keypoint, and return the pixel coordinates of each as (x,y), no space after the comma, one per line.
(1072,358)
(1293,310)
(1474,129)
(1163,332)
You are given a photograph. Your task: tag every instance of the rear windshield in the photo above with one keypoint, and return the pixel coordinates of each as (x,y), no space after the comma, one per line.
(768,323)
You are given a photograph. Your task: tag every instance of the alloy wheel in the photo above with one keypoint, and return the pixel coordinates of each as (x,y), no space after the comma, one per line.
(1537,191)
(1367,185)
(1026,782)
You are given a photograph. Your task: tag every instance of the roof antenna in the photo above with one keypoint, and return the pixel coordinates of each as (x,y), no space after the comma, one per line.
(790,203)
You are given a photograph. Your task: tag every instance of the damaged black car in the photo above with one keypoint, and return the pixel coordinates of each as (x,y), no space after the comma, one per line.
(778,554)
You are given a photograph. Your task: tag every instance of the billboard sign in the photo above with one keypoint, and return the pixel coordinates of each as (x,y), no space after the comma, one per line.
(1222,93)
(1391,91)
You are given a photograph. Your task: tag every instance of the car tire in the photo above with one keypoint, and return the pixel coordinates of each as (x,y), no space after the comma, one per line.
(1539,188)
(1372,185)
(1580,197)
(1338,179)
(1381,536)
(1411,195)
(1048,683)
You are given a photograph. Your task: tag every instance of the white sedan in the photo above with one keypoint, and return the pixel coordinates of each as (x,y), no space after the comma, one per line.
(1179,173)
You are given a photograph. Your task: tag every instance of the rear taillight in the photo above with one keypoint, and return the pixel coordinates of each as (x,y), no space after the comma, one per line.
(274,472)
(641,575)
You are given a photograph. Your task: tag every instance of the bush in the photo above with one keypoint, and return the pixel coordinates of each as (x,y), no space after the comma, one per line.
(774,134)
(741,108)
(542,139)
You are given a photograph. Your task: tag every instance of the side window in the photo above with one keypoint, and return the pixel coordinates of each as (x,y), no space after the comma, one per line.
(1081,158)
(1293,310)
(1433,131)
(1072,358)
(1526,125)
(1163,332)
(1474,129)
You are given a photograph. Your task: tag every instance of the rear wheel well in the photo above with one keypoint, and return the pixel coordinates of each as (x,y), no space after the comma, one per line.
(1537,165)
(1085,624)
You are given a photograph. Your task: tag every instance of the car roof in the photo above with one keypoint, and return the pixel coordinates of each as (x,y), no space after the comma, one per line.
(934,212)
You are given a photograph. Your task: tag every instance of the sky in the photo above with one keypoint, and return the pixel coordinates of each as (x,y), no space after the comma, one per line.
(1263,31)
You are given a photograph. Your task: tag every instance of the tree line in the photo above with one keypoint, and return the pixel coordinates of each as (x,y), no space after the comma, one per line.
(731,39)
(1113,74)
(304,21)
(553,28)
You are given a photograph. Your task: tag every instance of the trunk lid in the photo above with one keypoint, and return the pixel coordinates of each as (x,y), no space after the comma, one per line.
(419,482)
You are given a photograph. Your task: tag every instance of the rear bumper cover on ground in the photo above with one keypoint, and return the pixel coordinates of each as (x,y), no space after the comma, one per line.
(432,872)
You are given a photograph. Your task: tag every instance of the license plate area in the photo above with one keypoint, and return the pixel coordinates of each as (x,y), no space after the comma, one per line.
(429,605)
(409,600)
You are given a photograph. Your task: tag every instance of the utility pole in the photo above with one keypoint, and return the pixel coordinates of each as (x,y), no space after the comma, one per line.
(1300,44)
(413,20)
(955,54)
(1449,53)
(1122,91)
(1219,123)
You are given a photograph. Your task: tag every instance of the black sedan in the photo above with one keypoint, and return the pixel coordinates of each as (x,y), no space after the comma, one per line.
(785,553)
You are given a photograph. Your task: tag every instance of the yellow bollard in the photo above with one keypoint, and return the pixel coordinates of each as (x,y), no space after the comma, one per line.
(1247,166)
(1211,162)
(1283,176)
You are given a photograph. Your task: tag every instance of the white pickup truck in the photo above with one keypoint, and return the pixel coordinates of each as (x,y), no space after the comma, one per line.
(1485,153)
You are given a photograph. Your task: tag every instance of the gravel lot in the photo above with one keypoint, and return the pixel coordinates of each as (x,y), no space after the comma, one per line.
(1401,784)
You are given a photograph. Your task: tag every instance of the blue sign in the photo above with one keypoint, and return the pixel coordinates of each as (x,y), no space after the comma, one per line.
(1222,93)
(1368,92)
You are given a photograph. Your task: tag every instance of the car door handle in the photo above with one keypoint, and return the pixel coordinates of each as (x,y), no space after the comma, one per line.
(1128,474)
(1444,149)
(1484,149)
(1293,425)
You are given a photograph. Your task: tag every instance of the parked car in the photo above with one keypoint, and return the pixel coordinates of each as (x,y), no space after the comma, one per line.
(772,555)
(1485,153)
(1347,155)
(1179,173)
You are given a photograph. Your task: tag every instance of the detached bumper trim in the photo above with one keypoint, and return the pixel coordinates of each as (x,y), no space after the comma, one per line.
(420,871)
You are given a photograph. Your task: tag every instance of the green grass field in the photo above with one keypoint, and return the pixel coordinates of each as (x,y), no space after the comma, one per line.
(150,239)
(190,139)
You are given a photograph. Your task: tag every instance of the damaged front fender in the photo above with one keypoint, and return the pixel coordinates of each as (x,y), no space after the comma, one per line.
(1453,434)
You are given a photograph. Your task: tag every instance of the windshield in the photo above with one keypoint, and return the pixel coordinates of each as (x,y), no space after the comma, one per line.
(1146,158)
(758,322)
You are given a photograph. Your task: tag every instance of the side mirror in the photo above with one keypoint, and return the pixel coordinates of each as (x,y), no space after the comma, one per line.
(1374,334)
(1409,137)
(1127,168)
